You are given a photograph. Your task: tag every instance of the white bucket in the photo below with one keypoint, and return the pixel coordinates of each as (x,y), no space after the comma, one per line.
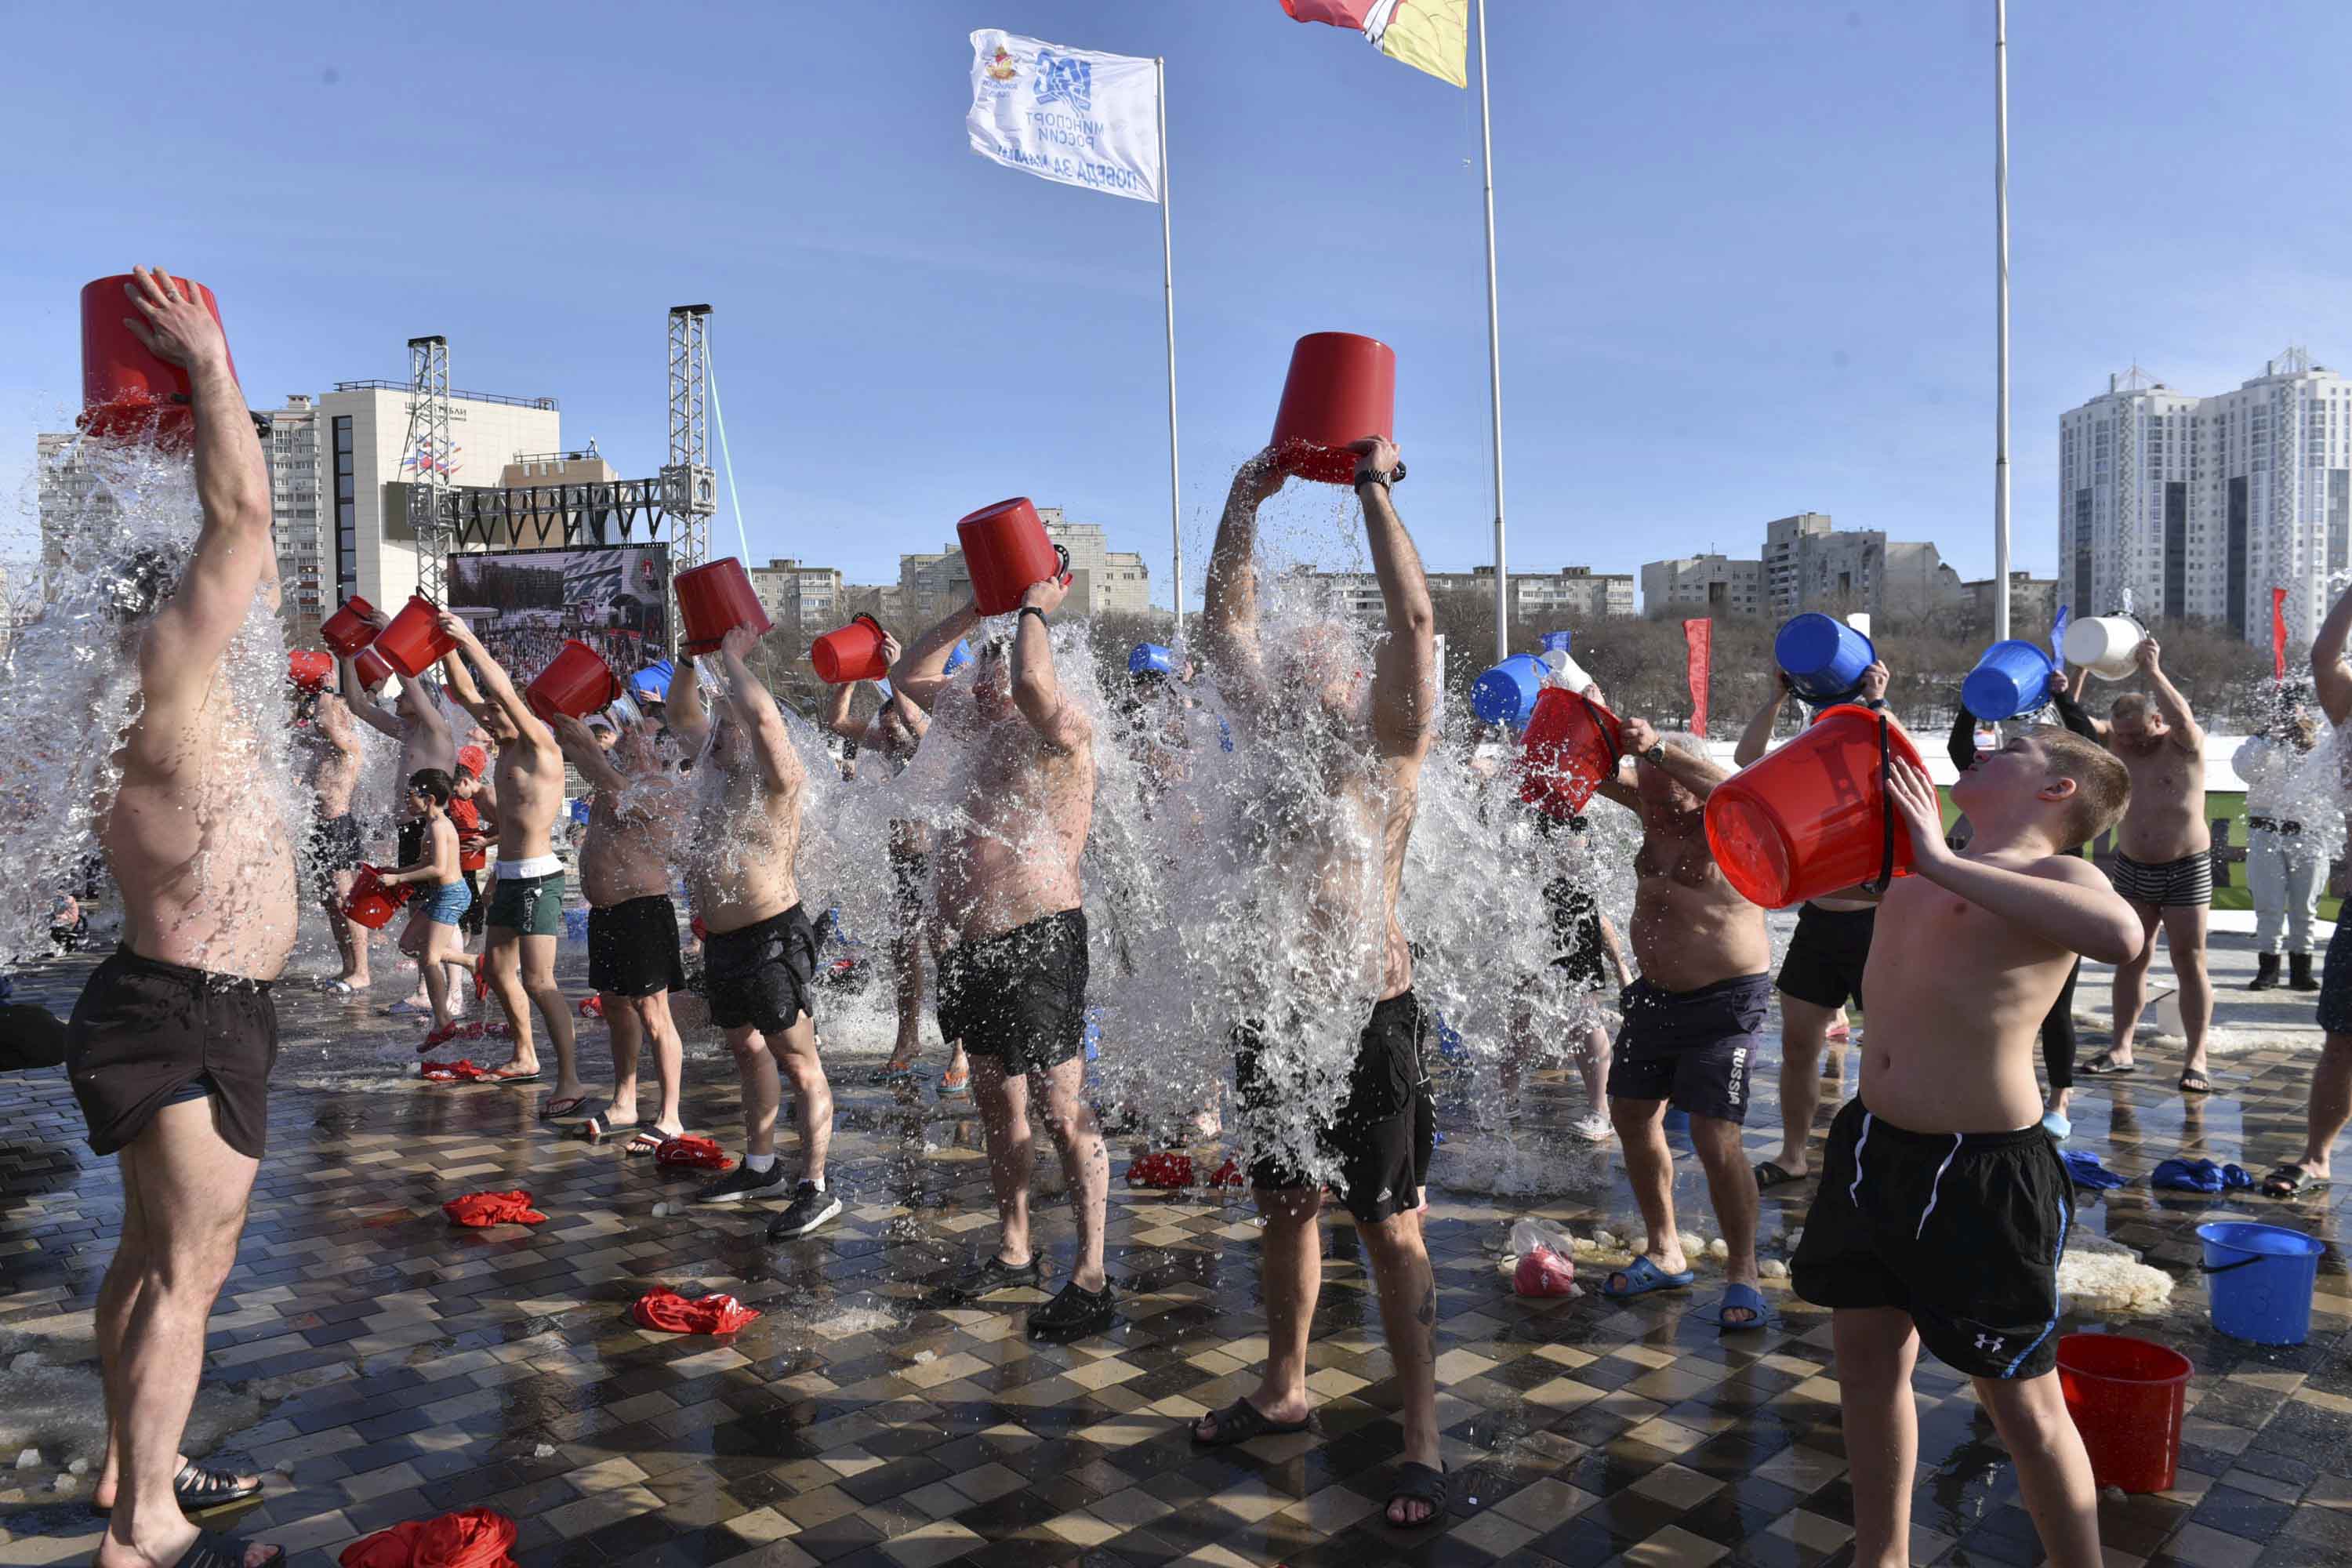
(1860,621)
(2168,1022)
(2103,645)
(1566,670)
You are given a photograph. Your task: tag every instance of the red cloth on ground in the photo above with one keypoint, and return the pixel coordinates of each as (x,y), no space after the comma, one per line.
(462,1071)
(664,1308)
(1543,1272)
(688,1150)
(471,1538)
(1229,1175)
(480,1209)
(1166,1170)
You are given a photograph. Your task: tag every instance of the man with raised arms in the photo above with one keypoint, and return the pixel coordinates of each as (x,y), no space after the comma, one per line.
(171,1046)
(1380,1138)
(742,842)
(330,747)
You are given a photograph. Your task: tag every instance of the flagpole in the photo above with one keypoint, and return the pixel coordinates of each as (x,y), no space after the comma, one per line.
(1493,355)
(1167,295)
(2001,402)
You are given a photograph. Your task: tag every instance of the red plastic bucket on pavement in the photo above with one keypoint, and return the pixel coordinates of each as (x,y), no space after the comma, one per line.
(2125,1397)
(1007,552)
(852,653)
(348,630)
(309,668)
(1812,817)
(371,667)
(1341,388)
(415,639)
(576,682)
(713,599)
(1568,749)
(370,902)
(127,393)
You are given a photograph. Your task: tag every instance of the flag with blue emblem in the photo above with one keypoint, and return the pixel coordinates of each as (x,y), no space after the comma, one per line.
(1070,115)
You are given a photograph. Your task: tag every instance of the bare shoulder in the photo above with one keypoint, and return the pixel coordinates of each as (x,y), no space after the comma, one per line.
(2068,868)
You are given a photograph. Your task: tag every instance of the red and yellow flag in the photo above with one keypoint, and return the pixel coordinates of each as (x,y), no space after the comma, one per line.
(1431,35)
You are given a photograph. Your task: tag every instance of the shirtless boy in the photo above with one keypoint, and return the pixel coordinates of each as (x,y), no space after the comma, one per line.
(338,846)
(425,741)
(432,933)
(1943,1206)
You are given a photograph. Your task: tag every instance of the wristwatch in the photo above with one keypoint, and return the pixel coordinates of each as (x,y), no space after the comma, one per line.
(1374,476)
(1656,755)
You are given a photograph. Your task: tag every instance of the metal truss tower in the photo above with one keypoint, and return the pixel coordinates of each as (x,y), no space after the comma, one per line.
(689,488)
(428,460)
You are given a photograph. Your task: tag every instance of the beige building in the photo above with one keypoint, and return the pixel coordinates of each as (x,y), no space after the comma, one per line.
(1102,579)
(1714,583)
(2033,603)
(1572,594)
(1808,565)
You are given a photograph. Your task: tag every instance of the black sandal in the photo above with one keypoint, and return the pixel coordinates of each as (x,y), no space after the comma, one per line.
(2103,1065)
(2291,1181)
(200,1491)
(214,1551)
(2195,1082)
(1771,1173)
(1417,1483)
(1241,1421)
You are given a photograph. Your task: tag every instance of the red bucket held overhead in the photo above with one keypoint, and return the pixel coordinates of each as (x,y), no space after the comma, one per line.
(127,393)
(371,667)
(1341,388)
(1568,749)
(348,630)
(852,653)
(715,598)
(309,668)
(370,902)
(415,641)
(576,682)
(1812,816)
(1006,550)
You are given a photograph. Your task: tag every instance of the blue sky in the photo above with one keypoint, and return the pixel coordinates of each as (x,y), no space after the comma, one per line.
(1746,249)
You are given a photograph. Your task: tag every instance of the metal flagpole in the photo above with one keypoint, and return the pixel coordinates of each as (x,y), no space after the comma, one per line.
(2000,434)
(1493,355)
(1168,293)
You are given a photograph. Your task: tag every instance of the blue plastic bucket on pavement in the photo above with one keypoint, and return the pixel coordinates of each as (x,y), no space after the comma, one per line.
(1823,656)
(2260,1278)
(2012,677)
(1507,693)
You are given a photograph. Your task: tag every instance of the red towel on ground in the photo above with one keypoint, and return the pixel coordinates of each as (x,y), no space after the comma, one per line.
(1167,1169)
(479,1209)
(1229,1175)
(462,1071)
(471,1538)
(688,1150)
(664,1308)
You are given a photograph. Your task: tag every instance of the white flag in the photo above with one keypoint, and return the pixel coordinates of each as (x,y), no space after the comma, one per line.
(1072,115)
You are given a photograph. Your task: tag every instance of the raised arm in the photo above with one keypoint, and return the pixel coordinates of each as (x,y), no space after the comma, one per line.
(2329,672)
(462,690)
(748,704)
(235,556)
(363,702)
(2071,713)
(497,684)
(2185,734)
(837,713)
(1229,597)
(1404,668)
(1962,745)
(917,722)
(593,761)
(1757,739)
(1036,690)
(1695,774)
(421,708)
(687,715)
(920,673)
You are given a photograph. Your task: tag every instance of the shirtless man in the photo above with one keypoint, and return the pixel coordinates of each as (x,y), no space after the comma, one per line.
(1691,1021)
(338,846)
(171,1047)
(1821,972)
(760,956)
(1380,1138)
(2331,1078)
(1943,1206)
(1013,974)
(526,913)
(425,741)
(632,957)
(2164,863)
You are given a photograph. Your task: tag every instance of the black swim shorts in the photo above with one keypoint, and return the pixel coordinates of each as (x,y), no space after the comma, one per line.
(146,1034)
(1825,959)
(1579,953)
(633,947)
(758,976)
(1692,1048)
(336,845)
(1961,1231)
(1019,998)
(1382,1135)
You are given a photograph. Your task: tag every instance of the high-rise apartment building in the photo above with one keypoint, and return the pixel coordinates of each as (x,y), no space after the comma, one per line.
(802,600)
(305,568)
(2198,507)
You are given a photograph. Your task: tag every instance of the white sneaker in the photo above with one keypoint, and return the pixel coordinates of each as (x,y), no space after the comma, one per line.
(1593,1127)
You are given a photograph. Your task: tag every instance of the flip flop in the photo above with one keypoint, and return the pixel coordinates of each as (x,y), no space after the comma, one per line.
(955,1089)
(596,1130)
(568,1109)
(336,987)
(891,1076)
(1739,1296)
(644,1140)
(507,1075)
(1417,1483)
(1641,1277)
(2195,1082)
(1241,1421)
(2292,1181)
(1771,1175)
(2104,1066)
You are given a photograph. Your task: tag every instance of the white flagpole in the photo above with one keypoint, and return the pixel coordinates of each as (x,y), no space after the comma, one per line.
(1167,294)
(2001,402)
(1493,356)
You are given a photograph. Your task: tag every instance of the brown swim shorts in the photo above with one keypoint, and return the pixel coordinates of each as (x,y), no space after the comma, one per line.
(146,1035)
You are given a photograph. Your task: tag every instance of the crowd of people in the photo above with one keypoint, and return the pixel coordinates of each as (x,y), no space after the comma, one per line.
(1942,1205)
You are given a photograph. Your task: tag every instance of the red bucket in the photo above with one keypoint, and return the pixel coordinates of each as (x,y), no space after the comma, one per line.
(2125,1397)
(415,639)
(370,902)
(713,599)
(371,669)
(1568,749)
(127,393)
(1812,817)
(852,653)
(348,630)
(1341,388)
(576,682)
(1007,552)
(309,668)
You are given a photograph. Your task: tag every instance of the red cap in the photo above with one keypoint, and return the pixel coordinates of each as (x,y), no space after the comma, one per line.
(474,758)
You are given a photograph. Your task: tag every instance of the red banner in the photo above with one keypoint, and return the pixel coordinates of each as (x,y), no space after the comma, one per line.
(2278,632)
(1699,637)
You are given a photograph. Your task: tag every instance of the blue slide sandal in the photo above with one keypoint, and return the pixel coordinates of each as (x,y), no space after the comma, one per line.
(1641,1277)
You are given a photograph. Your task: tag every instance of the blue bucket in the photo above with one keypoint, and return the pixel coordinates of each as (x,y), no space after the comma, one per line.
(1823,656)
(2261,1278)
(1150,657)
(958,656)
(1507,693)
(1094,1033)
(575,925)
(1565,642)
(2012,677)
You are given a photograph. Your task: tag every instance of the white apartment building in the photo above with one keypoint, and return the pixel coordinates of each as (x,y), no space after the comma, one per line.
(1712,581)
(2198,507)
(796,596)
(1571,595)
(305,567)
